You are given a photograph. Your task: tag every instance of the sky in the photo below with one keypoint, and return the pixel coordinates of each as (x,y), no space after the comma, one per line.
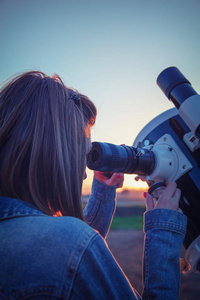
(112,51)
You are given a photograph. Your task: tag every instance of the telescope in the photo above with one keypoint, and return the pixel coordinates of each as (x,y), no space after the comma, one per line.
(166,149)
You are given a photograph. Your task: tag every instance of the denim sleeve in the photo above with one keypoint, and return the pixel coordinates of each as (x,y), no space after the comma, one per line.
(165,230)
(101,206)
(99,276)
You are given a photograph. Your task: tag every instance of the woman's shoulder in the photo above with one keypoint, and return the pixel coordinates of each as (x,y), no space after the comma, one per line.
(65,230)
(70,225)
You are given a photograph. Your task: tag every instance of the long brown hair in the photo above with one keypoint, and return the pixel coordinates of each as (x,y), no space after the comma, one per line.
(43,142)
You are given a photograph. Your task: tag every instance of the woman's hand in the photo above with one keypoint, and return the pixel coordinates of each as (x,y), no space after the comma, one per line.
(169,199)
(110,179)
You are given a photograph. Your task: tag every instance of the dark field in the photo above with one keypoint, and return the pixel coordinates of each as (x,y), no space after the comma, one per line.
(127,246)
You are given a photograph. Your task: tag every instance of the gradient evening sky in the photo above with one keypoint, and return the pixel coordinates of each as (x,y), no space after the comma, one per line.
(111,51)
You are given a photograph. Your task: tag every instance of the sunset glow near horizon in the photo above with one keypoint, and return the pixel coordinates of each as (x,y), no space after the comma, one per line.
(112,51)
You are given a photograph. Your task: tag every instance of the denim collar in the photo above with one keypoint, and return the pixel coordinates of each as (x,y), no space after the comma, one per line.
(13,208)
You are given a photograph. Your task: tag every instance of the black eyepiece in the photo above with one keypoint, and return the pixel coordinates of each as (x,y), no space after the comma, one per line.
(107,157)
(175,86)
(94,155)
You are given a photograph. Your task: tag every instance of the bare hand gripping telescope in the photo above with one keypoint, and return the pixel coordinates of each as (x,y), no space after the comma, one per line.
(166,149)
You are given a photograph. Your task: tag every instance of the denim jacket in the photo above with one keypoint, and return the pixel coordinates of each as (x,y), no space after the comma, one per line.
(44,257)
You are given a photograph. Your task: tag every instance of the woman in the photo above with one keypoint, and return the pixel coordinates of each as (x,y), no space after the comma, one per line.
(44,140)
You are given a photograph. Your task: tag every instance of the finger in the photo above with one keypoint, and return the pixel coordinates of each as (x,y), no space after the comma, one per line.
(177,195)
(168,202)
(180,210)
(120,183)
(176,198)
(115,179)
(142,178)
(167,194)
(170,189)
(149,202)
